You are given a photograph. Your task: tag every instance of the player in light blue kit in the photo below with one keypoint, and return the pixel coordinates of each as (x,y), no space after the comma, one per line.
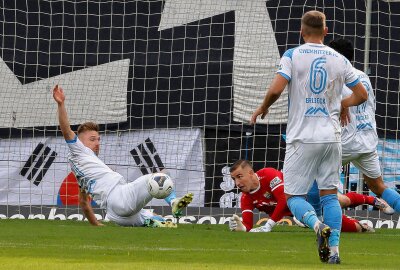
(314,75)
(359,137)
(122,201)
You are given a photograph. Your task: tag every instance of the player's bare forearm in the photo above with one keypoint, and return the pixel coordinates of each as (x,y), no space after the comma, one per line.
(87,209)
(350,101)
(59,97)
(358,96)
(64,123)
(269,99)
(274,92)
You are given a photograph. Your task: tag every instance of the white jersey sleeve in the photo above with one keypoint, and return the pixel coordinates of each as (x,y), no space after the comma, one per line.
(285,66)
(76,147)
(316,75)
(351,78)
(93,176)
(360,136)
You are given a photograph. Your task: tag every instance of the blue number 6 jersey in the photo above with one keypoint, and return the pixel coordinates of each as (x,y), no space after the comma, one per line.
(316,75)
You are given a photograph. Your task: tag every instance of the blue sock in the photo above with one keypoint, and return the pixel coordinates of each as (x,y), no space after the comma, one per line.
(314,200)
(332,217)
(392,198)
(170,197)
(302,210)
(157,217)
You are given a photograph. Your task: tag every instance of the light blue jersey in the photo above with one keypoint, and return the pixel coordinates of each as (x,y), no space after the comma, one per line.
(316,75)
(93,176)
(360,136)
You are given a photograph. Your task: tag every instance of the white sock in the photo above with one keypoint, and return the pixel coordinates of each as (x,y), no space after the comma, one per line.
(334,250)
(172,202)
(316,226)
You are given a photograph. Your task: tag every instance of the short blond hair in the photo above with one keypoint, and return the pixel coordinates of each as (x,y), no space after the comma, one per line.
(88,126)
(313,23)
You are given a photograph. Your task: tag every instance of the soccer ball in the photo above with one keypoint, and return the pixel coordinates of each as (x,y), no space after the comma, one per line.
(160,185)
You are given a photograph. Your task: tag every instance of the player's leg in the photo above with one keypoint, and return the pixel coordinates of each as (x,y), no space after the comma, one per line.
(142,218)
(314,199)
(369,165)
(391,197)
(349,224)
(332,217)
(352,225)
(128,199)
(344,200)
(158,223)
(305,213)
(135,220)
(125,201)
(152,220)
(178,204)
(353,199)
(299,170)
(328,183)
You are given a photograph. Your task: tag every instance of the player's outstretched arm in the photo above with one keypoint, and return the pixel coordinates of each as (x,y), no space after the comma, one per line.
(59,97)
(87,209)
(274,92)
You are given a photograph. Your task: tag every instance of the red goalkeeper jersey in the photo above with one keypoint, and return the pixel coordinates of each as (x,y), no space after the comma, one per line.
(268,198)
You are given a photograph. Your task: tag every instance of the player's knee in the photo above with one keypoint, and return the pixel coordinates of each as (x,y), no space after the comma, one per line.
(376,185)
(344,201)
(324,192)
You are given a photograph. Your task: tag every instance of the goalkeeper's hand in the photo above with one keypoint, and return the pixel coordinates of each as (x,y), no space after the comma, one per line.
(266,228)
(236,225)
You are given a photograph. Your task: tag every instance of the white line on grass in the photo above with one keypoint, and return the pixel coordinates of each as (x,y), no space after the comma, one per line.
(167,249)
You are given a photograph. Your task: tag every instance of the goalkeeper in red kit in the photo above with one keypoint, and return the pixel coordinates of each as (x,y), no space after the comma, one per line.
(264,190)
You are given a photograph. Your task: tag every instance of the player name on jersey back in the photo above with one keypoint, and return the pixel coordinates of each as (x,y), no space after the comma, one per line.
(316,75)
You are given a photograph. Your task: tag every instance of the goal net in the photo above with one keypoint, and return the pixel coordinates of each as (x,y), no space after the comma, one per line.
(172,84)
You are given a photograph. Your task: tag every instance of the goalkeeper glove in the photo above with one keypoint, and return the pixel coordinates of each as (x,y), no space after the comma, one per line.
(266,228)
(236,225)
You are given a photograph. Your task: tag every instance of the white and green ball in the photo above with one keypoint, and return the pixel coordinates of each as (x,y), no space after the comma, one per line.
(160,185)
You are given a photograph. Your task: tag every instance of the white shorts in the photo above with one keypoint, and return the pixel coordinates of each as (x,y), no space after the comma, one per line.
(125,202)
(367,163)
(306,162)
(136,220)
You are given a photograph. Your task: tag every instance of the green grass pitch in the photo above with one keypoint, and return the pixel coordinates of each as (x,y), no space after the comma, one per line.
(43,244)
